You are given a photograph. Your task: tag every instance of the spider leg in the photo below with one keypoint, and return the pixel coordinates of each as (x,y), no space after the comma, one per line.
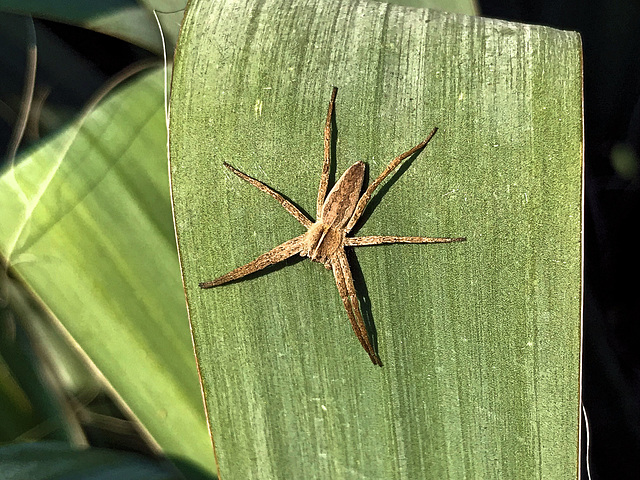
(366,196)
(344,282)
(324,179)
(382,239)
(288,206)
(281,252)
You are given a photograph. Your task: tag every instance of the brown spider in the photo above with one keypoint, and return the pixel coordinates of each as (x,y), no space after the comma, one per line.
(326,238)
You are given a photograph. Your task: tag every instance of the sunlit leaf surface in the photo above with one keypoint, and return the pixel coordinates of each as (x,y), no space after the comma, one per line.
(480,340)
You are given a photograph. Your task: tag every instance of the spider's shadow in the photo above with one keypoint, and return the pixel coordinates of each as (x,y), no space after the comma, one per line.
(382,190)
(356,271)
(363,297)
(332,154)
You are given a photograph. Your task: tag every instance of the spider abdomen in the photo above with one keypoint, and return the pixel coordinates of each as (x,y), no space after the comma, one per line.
(343,197)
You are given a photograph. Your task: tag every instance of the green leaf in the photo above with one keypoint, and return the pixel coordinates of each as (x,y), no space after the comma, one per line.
(28,409)
(124,19)
(467,7)
(480,340)
(86,223)
(52,460)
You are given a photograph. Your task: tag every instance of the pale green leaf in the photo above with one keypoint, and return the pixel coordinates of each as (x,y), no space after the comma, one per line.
(86,223)
(124,19)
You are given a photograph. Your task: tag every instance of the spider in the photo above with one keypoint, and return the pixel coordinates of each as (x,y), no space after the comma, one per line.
(326,238)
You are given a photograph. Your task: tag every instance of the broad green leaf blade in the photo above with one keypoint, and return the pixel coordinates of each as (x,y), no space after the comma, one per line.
(480,340)
(86,223)
(53,460)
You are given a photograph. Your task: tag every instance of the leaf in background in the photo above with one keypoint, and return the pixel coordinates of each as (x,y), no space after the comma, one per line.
(86,223)
(31,349)
(480,340)
(467,7)
(124,19)
(51,460)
